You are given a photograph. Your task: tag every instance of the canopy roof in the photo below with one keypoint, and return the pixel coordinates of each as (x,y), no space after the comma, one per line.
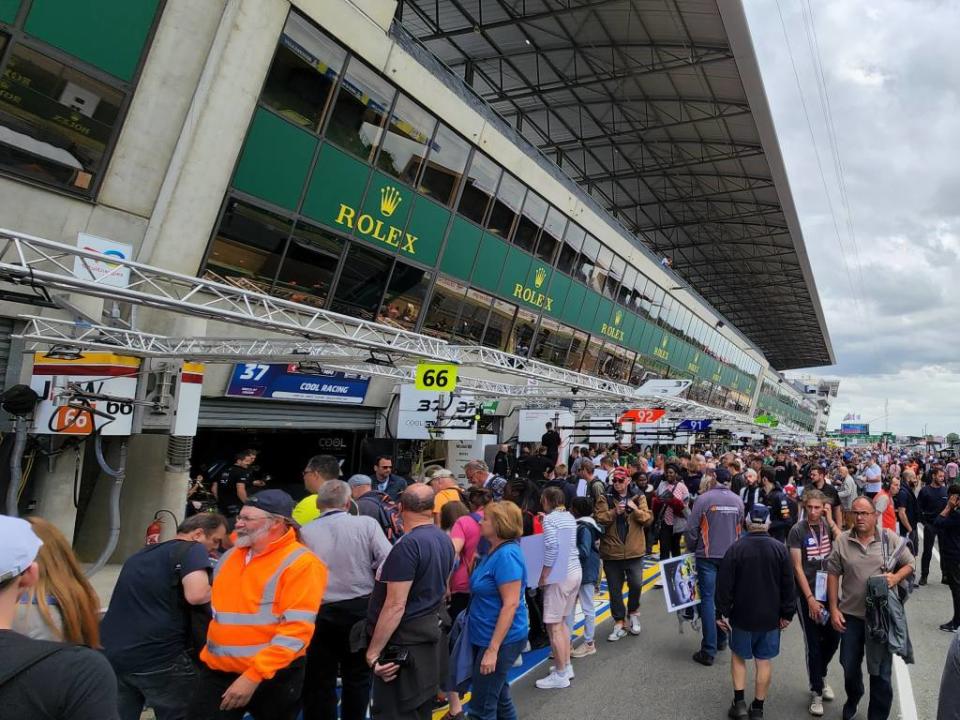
(657,110)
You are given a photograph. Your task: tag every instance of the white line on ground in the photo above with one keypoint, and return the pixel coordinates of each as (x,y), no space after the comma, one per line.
(908,704)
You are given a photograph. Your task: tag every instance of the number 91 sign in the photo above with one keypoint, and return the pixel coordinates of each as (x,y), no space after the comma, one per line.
(438,377)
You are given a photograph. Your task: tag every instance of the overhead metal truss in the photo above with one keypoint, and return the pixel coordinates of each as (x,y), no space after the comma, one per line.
(643,105)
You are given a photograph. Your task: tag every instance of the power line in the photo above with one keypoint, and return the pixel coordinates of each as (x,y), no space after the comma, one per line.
(813,43)
(816,151)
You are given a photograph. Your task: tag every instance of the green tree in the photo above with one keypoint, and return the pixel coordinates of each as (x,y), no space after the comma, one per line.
(953,439)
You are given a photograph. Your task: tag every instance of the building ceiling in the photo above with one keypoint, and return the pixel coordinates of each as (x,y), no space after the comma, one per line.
(656,109)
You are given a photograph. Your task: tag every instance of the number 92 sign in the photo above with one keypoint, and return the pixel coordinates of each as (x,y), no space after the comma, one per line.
(439,377)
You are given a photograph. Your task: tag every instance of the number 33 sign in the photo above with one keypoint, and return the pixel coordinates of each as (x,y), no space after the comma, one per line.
(439,377)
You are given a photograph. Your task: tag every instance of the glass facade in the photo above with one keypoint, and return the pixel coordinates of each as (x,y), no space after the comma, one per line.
(778,402)
(363,201)
(66,73)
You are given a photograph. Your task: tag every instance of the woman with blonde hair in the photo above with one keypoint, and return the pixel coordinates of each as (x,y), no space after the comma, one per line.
(62,606)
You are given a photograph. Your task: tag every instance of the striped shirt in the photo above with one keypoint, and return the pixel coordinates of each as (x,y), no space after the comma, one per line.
(553,524)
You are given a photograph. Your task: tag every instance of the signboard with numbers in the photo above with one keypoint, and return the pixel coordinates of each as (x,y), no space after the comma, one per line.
(695,425)
(286,382)
(424,415)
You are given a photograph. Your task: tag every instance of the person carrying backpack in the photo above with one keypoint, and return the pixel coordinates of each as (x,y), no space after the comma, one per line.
(588,549)
(376,505)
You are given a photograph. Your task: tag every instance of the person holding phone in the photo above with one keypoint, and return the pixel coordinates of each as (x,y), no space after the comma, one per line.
(497,616)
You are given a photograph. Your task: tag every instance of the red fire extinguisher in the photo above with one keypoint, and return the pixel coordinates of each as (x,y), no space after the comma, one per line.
(153,530)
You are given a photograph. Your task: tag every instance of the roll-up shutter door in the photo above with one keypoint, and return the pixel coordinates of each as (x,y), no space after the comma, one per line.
(6,329)
(228,413)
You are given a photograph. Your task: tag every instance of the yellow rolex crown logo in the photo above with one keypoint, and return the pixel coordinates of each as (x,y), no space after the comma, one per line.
(540,276)
(390,200)
(617,317)
(663,343)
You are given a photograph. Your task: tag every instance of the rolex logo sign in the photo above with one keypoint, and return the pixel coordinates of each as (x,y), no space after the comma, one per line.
(614,332)
(376,226)
(662,352)
(539,277)
(390,200)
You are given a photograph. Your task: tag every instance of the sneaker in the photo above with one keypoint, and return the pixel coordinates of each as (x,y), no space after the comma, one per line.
(738,710)
(849,713)
(701,657)
(584,649)
(755,713)
(948,627)
(827,693)
(816,705)
(634,624)
(567,671)
(553,681)
(618,632)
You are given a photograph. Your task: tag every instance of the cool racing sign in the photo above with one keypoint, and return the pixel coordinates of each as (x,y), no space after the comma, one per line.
(285,382)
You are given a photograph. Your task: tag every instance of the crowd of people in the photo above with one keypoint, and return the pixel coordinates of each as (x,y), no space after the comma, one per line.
(378,593)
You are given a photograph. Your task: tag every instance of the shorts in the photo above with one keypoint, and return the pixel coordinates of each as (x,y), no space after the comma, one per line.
(755,645)
(560,598)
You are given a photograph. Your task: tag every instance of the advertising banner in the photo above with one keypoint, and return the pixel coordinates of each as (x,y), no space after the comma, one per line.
(854,428)
(286,382)
(102,272)
(452,416)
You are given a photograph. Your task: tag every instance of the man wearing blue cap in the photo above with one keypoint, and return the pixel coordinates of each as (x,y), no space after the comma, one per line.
(755,601)
(40,679)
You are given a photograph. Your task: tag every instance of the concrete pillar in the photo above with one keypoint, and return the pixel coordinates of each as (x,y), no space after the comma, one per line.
(148,487)
(55,490)
(209,144)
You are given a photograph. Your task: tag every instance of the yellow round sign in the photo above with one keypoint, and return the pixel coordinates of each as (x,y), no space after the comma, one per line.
(438,377)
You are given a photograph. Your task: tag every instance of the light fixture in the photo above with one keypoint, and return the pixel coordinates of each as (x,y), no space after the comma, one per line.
(63,352)
(720,324)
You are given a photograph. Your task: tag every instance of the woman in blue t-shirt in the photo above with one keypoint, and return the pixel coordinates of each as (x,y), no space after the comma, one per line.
(498,623)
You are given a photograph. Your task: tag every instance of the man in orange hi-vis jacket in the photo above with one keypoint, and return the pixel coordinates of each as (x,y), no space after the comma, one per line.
(266,593)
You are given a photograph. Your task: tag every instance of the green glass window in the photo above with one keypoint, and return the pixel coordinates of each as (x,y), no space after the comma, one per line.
(361,283)
(550,237)
(309,266)
(445,166)
(625,294)
(612,285)
(506,206)
(480,188)
(532,217)
(444,310)
(553,342)
(248,246)
(601,269)
(473,316)
(497,334)
(360,111)
(570,249)
(55,121)
(304,71)
(586,261)
(403,300)
(406,140)
(524,328)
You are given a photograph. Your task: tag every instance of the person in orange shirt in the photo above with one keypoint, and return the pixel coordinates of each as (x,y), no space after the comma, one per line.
(265,597)
(446,490)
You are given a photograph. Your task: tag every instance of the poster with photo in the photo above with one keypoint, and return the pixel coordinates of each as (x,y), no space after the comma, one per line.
(679,578)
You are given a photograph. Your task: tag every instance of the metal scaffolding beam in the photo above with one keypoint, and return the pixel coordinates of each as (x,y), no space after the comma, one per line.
(44,264)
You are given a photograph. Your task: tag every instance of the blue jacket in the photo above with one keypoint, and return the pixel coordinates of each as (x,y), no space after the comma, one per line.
(395,486)
(588,548)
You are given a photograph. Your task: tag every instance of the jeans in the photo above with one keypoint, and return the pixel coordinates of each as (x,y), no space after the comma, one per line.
(852,647)
(328,657)
(929,537)
(274,699)
(167,690)
(821,643)
(713,636)
(490,694)
(618,571)
(951,572)
(589,612)
(669,542)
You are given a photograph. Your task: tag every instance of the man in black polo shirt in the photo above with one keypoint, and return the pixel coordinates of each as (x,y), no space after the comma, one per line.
(146,632)
(551,441)
(234,484)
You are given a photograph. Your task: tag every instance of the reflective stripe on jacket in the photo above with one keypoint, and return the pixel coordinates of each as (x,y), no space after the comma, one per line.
(263,610)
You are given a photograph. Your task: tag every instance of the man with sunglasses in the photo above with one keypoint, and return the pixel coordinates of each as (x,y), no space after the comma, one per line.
(265,596)
(858,555)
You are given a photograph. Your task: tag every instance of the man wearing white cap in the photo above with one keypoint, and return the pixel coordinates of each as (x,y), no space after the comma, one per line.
(40,679)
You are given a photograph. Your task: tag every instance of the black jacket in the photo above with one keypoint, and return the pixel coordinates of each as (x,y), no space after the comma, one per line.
(948,530)
(755,587)
(505,465)
(783,513)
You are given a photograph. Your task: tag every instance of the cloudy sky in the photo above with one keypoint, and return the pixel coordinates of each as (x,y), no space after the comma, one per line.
(892,71)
